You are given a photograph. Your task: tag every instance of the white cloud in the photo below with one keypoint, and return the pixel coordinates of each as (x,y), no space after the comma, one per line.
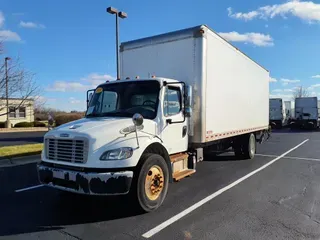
(285,97)
(31,25)
(72,100)
(307,11)
(244,16)
(257,39)
(2,19)
(86,83)
(316,76)
(63,86)
(288,81)
(288,90)
(9,36)
(283,90)
(271,79)
(315,86)
(96,79)
(277,90)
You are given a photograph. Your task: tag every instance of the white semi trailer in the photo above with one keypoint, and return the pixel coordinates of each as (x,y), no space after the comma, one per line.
(277,114)
(306,113)
(181,93)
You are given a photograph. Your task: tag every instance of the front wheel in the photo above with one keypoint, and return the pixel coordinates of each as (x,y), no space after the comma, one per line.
(151,183)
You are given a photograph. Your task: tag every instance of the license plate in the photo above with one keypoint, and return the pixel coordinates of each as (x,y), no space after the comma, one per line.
(58,174)
(72,176)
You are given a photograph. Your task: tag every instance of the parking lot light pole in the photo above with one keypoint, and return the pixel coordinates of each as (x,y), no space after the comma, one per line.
(7,88)
(122,15)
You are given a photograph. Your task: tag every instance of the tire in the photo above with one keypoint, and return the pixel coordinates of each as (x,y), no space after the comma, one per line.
(249,146)
(153,170)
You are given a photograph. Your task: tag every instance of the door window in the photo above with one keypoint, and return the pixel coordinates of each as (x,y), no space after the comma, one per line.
(172,101)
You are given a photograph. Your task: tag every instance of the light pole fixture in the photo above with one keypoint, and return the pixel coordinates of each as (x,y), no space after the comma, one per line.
(122,15)
(7,89)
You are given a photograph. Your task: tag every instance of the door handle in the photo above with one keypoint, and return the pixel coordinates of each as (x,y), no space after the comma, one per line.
(184,131)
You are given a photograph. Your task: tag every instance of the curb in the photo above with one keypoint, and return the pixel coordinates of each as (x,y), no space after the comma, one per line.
(10,162)
(31,129)
(22,155)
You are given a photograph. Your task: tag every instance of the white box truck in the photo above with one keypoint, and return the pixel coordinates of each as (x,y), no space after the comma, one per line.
(306,113)
(180,93)
(277,114)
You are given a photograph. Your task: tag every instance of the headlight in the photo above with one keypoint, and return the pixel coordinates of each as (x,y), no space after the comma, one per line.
(117,154)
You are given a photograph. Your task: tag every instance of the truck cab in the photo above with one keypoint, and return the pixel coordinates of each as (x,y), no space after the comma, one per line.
(101,154)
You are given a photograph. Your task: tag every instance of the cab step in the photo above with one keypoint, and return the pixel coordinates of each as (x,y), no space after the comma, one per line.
(179,175)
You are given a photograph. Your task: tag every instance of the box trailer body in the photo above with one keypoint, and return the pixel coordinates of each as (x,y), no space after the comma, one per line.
(278,113)
(227,85)
(180,94)
(306,113)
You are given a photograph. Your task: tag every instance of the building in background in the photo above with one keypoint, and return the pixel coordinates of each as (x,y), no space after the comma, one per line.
(22,113)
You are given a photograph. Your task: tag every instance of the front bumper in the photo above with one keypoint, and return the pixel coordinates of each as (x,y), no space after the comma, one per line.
(90,183)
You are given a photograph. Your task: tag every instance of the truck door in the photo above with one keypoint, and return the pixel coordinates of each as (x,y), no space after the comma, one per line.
(174,132)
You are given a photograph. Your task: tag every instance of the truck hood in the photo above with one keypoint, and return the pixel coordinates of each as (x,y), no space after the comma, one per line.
(95,129)
(86,125)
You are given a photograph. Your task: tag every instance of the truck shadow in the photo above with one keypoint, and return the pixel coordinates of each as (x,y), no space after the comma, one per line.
(48,209)
(220,157)
(288,130)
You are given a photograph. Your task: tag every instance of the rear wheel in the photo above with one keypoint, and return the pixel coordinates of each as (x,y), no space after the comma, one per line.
(151,182)
(244,147)
(249,148)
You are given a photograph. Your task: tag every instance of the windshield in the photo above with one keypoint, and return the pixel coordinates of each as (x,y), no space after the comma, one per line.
(125,99)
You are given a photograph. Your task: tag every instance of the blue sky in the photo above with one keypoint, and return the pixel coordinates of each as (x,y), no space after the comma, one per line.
(70,44)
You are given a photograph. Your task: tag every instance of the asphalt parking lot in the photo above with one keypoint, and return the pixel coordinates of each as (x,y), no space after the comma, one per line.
(274,196)
(20,138)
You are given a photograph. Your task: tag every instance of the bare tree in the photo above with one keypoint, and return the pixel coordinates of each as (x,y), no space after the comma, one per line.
(21,84)
(39,104)
(300,92)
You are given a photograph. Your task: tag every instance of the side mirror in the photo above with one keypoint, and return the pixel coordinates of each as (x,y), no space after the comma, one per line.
(188,101)
(89,96)
(137,119)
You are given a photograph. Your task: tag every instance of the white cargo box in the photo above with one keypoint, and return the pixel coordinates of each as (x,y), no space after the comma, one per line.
(306,108)
(231,91)
(276,106)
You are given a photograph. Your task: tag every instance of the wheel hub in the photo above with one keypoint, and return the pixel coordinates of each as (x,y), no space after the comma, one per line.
(154,182)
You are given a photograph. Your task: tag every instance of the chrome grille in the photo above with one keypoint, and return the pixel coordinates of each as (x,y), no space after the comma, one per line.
(67,150)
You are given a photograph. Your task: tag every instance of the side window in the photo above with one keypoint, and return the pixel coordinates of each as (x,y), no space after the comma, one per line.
(22,112)
(172,101)
(109,101)
(12,112)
